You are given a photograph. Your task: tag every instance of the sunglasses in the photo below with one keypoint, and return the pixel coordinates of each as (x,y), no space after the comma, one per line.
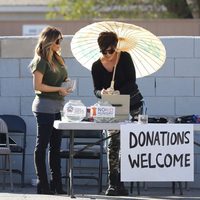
(58,41)
(109,51)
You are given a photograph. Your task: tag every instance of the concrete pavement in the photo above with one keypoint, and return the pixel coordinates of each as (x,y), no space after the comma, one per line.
(90,192)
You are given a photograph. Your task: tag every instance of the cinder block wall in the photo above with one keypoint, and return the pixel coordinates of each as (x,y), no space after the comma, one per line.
(172,91)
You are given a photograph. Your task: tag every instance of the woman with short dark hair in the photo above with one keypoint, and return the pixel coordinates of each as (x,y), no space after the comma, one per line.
(124,83)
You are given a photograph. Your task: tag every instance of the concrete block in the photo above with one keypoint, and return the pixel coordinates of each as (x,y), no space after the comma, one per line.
(18,47)
(9,68)
(29,166)
(30,143)
(69,97)
(10,105)
(17,87)
(28,179)
(89,101)
(24,69)
(26,105)
(174,86)
(65,46)
(30,125)
(160,106)
(174,46)
(16,161)
(166,70)
(198,164)
(187,67)
(196,182)
(197,86)
(187,105)
(76,69)
(85,87)
(146,86)
(197,46)
(197,139)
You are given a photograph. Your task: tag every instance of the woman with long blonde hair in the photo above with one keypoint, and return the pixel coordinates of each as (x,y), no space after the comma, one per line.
(49,72)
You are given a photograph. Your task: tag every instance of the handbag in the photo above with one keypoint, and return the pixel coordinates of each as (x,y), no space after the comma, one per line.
(136,98)
(193,119)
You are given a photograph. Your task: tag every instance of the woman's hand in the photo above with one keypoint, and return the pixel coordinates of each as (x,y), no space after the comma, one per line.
(104,91)
(109,91)
(64,91)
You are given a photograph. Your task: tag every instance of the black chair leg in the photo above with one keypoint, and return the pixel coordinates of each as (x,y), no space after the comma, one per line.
(138,188)
(137,185)
(174,187)
(23,169)
(181,188)
(131,188)
(22,180)
(100,179)
(100,170)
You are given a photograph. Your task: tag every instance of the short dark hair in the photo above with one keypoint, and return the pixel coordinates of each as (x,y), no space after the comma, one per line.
(107,39)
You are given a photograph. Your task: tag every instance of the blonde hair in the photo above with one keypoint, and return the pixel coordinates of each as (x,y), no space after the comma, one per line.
(47,37)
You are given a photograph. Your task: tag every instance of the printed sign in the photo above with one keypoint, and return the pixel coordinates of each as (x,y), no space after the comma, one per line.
(75,111)
(103,111)
(157,152)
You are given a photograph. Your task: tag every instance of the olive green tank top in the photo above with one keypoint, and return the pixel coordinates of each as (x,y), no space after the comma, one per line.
(51,78)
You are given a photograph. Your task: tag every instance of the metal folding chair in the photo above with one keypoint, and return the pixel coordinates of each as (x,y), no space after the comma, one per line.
(17,128)
(87,147)
(5,153)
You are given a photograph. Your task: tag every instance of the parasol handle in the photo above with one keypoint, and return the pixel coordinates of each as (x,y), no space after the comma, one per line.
(113,77)
(112,84)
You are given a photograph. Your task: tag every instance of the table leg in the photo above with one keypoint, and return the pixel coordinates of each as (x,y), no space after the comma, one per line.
(71,161)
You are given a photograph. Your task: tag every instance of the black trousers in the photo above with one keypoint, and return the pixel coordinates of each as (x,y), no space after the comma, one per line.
(47,135)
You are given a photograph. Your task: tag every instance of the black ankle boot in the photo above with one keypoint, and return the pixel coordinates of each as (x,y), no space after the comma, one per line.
(43,190)
(57,188)
(113,183)
(122,191)
(111,191)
